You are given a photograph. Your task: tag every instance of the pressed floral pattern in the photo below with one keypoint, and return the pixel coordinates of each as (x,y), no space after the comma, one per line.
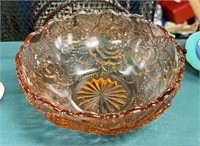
(80,50)
(145,58)
(108,54)
(102,96)
(104,73)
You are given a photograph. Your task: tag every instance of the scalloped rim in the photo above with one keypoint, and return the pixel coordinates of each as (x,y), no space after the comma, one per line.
(174,86)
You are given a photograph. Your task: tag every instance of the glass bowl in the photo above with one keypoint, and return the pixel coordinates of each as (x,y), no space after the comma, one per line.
(104,73)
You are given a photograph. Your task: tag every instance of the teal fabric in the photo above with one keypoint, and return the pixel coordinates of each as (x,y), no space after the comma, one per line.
(22,125)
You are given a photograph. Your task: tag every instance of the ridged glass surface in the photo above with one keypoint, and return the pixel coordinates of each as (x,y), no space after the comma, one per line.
(100,63)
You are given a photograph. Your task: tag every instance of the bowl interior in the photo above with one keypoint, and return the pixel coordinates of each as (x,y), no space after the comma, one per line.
(99,62)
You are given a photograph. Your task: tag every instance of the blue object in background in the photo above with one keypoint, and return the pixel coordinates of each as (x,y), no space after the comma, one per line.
(164,22)
(193,50)
(25,7)
(198,49)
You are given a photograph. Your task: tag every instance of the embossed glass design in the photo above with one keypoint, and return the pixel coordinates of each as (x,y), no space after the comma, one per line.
(104,73)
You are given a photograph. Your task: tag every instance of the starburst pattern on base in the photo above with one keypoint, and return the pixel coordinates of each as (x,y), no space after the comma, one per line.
(102,95)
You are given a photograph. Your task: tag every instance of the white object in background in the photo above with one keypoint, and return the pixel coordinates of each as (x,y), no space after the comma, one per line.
(2,89)
(158,15)
(178,1)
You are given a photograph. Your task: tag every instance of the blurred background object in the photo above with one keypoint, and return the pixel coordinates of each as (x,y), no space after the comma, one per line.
(183,28)
(193,50)
(180,17)
(177,12)
(2,89)
(195,4)
(158,15)
(19,18)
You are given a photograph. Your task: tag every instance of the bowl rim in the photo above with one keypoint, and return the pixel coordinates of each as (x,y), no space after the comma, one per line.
(173,87)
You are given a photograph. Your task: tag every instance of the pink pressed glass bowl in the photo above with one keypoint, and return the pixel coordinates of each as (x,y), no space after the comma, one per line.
(104,73)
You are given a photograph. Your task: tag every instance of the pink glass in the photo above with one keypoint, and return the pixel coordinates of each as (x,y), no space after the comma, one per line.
(104,73)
